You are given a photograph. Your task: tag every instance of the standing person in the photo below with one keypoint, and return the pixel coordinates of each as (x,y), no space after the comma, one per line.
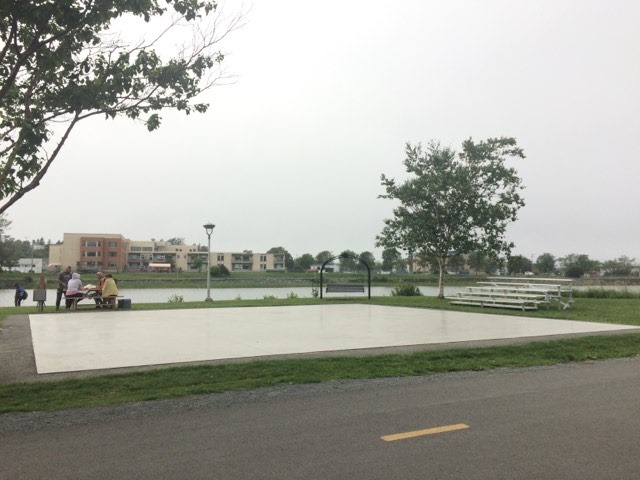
(21,294)
(74,289)
(63,280)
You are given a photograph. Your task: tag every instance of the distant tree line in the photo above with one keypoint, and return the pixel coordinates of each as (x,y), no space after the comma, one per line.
(11,249)
(347,260)
(392,260)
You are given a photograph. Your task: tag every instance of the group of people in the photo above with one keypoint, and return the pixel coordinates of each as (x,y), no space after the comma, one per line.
(70,285)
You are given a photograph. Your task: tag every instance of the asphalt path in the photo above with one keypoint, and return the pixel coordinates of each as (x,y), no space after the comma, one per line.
(576,421)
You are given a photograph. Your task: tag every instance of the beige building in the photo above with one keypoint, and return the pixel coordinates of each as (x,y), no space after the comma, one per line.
(89,252)
(248,261)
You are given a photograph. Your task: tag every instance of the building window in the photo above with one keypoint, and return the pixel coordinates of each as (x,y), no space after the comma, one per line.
(113,254)
(91,243)
(112,244)
(147,249)
(91,254)
(136,249)
(221,258)
(263,258)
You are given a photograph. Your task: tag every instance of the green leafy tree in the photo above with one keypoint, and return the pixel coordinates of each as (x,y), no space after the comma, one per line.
(390,259)
(619,267)
(454,202)
(305,261)
(197,264)
(478,261)
(175,241)
(546,263)
(62,62)
(368,258)
(456,262)
(8,251)
(574,271)
(323,256)
(289,262)
(492,265)
(517,264)
(577,264)
(348,261)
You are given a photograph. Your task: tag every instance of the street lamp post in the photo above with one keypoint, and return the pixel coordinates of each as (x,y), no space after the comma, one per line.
(208,227)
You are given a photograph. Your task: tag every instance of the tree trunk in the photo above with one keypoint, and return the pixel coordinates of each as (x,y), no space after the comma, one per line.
(442,263)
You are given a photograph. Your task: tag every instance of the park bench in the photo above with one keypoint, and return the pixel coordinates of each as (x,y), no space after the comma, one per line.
(344,287)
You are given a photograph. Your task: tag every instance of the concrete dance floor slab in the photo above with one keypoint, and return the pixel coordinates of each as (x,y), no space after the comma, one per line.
(125,338)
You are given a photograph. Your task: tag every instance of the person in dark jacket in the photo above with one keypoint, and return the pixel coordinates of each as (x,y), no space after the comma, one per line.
(21,294)
(63,280)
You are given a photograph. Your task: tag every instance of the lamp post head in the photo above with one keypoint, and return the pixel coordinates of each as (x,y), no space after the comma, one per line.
(209,228)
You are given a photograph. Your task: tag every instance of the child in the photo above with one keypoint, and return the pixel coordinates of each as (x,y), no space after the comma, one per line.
(21,294)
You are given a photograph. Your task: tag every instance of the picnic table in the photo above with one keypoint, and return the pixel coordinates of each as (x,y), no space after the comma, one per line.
(93,294)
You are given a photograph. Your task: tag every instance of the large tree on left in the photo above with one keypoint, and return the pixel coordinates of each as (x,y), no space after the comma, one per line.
(60,63)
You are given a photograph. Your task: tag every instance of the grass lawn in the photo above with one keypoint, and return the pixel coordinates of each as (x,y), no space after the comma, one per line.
(175,382)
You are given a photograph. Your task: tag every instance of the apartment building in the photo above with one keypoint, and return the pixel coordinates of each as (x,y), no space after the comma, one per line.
(248,261)
(160,256)
(90,252)
(115,253)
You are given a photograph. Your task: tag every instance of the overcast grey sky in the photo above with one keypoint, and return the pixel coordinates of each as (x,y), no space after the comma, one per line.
(326,96)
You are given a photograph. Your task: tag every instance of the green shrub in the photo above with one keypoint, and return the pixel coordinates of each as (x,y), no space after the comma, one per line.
(176,298)
(574,272)
(219,271)
(292,295)
(406,290)
(606,293)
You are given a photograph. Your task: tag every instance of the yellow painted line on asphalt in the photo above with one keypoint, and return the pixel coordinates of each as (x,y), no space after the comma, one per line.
(420,433)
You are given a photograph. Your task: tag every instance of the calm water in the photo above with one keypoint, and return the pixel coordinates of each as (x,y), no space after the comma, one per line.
(161,295)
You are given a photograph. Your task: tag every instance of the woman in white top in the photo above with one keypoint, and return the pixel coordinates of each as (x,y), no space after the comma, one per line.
(74,288)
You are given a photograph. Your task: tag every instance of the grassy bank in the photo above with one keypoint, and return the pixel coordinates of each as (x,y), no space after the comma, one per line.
(175,382)
(178,382)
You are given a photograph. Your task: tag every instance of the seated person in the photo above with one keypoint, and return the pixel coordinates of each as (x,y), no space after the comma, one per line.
(97,291)
(74,289)
(109,290)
